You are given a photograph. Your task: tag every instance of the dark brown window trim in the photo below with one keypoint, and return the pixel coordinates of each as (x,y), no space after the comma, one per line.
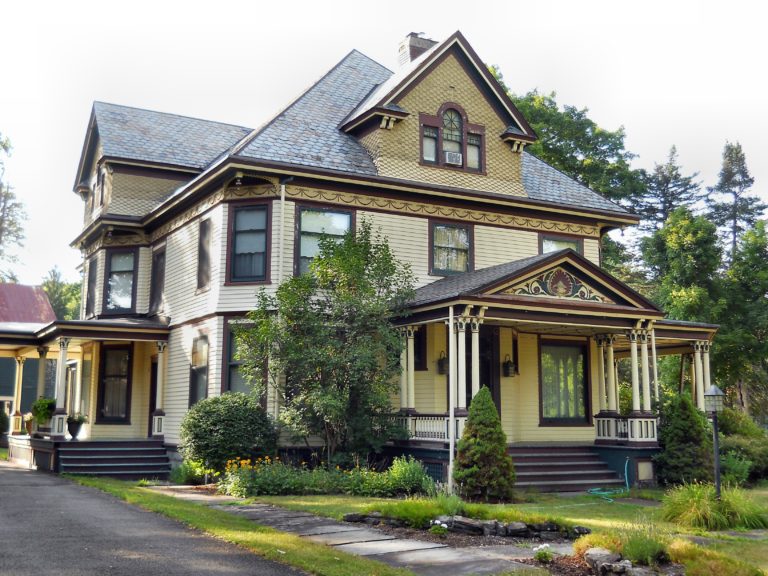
(297,225)
(232,208)
(193,370)
(436,122)
(226,364)
(470,234)
(157,294)
(556,423)
(567,237)
(109,252)
(91,287)
(204,254)
(129,387)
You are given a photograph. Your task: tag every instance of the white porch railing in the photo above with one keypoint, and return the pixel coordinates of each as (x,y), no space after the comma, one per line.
(429,427)
(619,429)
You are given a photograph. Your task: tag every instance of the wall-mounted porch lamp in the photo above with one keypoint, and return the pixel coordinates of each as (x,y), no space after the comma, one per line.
(508,367)
(442,364)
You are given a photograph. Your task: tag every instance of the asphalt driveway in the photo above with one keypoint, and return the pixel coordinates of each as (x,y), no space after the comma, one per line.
(51,526)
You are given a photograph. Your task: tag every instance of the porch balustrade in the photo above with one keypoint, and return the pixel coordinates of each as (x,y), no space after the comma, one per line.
(429,427)
(623,430)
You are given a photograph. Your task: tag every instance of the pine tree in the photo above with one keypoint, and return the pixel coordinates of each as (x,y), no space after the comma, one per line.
(483,467)
(729,205)
(666,189)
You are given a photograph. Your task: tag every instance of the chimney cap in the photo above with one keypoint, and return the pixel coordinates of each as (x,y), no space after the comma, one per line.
(413,46)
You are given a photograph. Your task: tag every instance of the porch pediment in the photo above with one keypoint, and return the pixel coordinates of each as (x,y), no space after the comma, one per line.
(557,282)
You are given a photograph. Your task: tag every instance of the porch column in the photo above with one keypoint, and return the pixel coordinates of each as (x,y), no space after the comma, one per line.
(475,326)
(635,370)
(42,352)
(16,417)
(655,366)
(601,373)
(705,364)
(461,353)
(59,420)
(403,377)
(645,374)
(698,375)
(158,416)
(410,332)
(611,384)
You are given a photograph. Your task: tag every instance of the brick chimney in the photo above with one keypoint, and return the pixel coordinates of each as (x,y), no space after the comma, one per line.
(413,46)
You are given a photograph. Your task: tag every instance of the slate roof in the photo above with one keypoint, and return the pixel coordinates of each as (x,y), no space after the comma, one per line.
(307,132)
(24,304)
(471,282)
(137,134)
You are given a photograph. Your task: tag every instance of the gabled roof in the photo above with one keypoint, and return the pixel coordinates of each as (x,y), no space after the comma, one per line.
(307,133)
(386,95)
(525,282)
(24,304)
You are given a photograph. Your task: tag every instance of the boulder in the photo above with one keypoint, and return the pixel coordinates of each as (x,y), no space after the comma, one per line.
(545,527)
(466,525)
(354,517)
(517,529)
(580,530)
(596,557)
(490,527)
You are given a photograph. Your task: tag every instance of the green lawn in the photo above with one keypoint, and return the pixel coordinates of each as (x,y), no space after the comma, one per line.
(271,544)
(3,453)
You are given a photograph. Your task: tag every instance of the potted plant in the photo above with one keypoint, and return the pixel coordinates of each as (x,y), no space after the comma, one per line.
(74,423)
(29,419)
(42,409)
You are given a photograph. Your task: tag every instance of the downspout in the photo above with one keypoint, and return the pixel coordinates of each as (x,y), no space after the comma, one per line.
(451,397)
(281,242)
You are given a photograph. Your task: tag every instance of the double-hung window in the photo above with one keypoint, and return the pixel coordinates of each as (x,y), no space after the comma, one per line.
(249,244)
(90,296)
(451,248)
(198,370)
(157,286)
(120,281)
(313,224)
(449,140)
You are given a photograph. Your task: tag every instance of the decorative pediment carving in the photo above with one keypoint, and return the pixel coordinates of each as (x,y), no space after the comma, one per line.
(557,283)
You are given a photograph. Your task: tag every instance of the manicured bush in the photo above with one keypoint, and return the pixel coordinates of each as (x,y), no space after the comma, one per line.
(188,472)
(408,476)
(694,506)
(484,470)
(686,443)
(226,427)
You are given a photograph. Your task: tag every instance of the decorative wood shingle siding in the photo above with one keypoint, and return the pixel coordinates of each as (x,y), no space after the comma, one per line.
(399,150)
(183,299)
(499,245)
(180,341)
(143,279)
(136,195)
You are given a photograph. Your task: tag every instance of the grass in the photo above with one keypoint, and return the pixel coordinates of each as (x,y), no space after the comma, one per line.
(3,453)
(694,505)
(270,544)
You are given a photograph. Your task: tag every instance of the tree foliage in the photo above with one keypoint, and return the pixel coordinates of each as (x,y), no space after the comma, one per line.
(327,344)
(483,468)
(666,189)
(63,296)
(686,442)
(729,204)
(12,215)
(226,427)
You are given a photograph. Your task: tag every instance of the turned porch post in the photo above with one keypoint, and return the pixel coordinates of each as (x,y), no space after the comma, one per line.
(461,353)
(611,384)
(42,352)
(475,326)
(645,374)
(698,375)
(59,420)
(158,416)
(655,366)
(403,376)
(601,373)
(410,333)
(16,418)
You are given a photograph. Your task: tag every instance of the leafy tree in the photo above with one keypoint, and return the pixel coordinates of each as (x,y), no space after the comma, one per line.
(666,189)
(12,215)
(483,467)
(729,204)
(686,442)
(221,428)
(329,334)
(63,296)
(683,259)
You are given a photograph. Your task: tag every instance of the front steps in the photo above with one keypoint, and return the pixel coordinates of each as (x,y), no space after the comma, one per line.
(122,459)
(561,468)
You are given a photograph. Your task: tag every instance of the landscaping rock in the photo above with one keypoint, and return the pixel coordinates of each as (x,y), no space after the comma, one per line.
(517,529)
(501,529)
(466,525)
(550,535)
(447,520)
(596,557)
(353,517)
(577,531)
(545,527)
(608,568)
(490,527)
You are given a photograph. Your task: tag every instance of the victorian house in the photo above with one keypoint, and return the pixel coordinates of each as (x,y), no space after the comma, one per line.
(185,220)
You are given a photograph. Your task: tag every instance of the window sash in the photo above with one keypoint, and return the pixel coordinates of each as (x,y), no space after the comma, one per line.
(313,224)
(198,370)
(90,297)
(549,244)
(249,246)
(564,388)
(157,288)
(115,385)
(204,255)
(120,281)
(450,249)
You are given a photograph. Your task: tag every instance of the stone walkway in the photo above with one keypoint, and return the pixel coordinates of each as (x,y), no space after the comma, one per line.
(424,558)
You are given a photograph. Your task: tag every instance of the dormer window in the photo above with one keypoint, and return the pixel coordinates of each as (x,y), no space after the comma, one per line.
(448,140)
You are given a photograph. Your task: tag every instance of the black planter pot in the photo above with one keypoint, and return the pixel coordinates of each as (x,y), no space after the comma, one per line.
(74,429)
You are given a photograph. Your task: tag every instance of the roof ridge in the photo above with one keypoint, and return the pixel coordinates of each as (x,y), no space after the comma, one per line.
(257,131)
(168,114)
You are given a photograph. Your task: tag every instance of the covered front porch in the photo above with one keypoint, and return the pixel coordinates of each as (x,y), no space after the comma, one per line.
(547,336)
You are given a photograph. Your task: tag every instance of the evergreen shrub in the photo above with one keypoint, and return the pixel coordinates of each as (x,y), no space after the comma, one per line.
(226,427)
(686,443)
(484,470)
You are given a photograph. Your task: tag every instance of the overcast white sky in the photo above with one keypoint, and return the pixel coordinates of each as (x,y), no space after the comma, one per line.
(690,73)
